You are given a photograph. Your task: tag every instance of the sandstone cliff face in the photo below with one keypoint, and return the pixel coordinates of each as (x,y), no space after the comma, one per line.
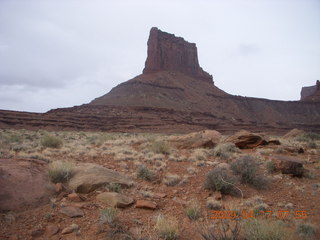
(311,93)
(171,53)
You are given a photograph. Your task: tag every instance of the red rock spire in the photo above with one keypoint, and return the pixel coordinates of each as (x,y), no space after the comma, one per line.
(171,53)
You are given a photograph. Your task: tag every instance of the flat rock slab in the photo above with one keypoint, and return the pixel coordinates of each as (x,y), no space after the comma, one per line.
(72,212)
(89,176)
(24,184)
(114,199)
(206,138)
(146,204)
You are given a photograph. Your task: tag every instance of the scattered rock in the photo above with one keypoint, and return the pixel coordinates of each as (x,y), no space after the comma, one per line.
(52,230)
(72,211)
(146,204)
(24,184)
(70,229)
(89,176)
(288,165)
(114,199)
(206,139)
(246,140)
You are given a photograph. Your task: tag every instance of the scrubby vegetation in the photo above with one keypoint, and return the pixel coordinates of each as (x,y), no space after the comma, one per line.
(167,227)
(246,167)
(60,171)
(144,173)
(51,141)
(225,150)
(193,210)
(220,179)
(160,147)
(257,229)
(108,215)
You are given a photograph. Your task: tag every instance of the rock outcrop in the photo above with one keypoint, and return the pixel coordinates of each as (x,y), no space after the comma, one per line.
(311,93)
(170,53)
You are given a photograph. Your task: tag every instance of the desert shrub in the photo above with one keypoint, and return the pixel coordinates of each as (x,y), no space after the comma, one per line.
(313,145)
(257,229)
(193,210)
(271,167)
(60,171)
(224,229)
(306,230)
(115,187)
(246,167)
(220,179)
(160,147)
(213,204)
(171,179)
(225,150)
(308,136)
(51,141)
(108,215)
(167,227)
(144,173)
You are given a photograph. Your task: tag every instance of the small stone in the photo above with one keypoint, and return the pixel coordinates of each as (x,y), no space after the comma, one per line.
(289,206)
(72,212)
(146,204)
(159,195)
(74,197)
(52,230)
(58,187)
(70,229)
(37,233)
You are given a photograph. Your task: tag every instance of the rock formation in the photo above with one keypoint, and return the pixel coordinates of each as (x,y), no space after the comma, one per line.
(171,53)
(173,94)
(311,93)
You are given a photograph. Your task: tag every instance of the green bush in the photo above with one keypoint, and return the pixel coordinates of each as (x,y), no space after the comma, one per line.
(144,173)
(108,215)
(246,167)
(271,167)
(220,179)
(60,171)
(308,136)
(306,230)
(51,141)
(193,210)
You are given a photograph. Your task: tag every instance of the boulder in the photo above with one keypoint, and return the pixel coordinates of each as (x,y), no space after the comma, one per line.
(89,176)
(288,165)
(206,138)
(24,184)
(114,199)
(72,212)
(245,139)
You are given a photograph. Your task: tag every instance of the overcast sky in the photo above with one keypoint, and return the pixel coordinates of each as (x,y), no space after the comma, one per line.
(63,53)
